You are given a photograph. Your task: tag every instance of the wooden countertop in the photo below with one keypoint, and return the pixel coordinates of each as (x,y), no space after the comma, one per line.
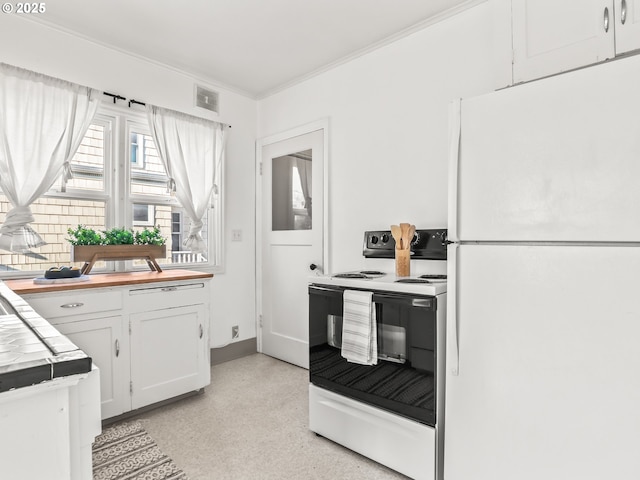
(26,286)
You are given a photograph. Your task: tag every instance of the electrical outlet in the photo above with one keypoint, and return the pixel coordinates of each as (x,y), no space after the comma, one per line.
(236,235)
(235,331)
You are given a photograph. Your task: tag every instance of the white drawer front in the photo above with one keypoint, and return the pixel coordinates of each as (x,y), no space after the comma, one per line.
(144,299)
(64,306)
(406,446)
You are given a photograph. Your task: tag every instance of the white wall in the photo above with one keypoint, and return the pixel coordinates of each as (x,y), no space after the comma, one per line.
(37,47)
(388,122)
(388,113)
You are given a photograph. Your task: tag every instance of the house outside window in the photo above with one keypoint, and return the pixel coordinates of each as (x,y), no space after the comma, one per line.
(101,169)
(176,231)
(137,150)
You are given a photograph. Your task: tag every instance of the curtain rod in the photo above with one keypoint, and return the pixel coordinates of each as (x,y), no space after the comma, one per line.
(131,100)
(114,96)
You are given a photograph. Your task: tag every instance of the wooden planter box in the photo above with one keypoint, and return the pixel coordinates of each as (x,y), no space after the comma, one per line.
(90,254)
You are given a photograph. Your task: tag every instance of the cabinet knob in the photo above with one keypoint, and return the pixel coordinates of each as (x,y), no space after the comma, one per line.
(623,11)
(606,19)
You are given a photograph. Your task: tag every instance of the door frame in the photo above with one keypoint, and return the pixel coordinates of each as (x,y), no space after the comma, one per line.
(322,124)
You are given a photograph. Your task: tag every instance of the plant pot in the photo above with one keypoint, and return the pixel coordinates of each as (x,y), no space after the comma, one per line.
(90,254)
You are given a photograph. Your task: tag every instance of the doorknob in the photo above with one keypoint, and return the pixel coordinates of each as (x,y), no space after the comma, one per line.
(313,267)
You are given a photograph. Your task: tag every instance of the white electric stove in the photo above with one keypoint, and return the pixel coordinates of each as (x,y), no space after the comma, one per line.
(390,411)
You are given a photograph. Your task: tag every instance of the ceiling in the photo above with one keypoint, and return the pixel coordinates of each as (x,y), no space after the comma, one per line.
(255,47)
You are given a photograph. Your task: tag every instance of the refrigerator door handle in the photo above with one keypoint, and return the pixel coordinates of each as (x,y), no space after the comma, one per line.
(454,159)
(452,357)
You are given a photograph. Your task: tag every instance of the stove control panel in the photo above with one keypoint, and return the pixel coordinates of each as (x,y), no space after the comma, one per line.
(430,244)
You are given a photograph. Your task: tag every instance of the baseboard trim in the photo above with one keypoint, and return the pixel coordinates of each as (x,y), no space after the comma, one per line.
(234,350)
(148,408)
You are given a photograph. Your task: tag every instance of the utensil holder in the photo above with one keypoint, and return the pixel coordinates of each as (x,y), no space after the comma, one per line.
(403,263)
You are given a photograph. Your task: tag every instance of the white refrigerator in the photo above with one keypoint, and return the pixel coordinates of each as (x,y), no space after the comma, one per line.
(543,312)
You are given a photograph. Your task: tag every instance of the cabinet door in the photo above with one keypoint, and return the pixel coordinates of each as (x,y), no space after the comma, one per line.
(627,25)
(103,341)
(551,37)
(168,353)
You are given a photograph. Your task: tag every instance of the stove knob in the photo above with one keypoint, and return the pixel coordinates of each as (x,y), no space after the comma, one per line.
(385,238)
(374,239)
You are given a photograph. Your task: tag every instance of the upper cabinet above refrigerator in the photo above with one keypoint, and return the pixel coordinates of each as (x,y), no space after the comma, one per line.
(627,25)
(551,37)
(553,160)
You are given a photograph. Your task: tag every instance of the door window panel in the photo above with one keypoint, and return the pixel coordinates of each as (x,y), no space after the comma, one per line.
(291,192)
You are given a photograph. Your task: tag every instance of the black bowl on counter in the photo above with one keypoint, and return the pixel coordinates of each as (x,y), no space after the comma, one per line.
(62,272)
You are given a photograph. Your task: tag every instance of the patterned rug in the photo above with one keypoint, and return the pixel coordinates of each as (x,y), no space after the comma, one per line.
(127,452)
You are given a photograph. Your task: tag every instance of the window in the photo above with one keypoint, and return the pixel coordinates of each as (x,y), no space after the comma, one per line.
(143,215)
(176,231)
(137,150)
(104,172)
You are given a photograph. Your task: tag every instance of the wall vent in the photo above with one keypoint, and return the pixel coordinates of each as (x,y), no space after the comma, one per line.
(207,99)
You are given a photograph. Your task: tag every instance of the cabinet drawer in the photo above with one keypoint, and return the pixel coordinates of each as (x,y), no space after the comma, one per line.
(144,299)
(63,305)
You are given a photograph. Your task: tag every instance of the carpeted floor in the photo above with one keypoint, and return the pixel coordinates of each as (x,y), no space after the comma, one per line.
(251,423)
(126,452)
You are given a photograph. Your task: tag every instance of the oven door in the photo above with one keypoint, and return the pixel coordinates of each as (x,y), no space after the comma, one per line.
(404,380)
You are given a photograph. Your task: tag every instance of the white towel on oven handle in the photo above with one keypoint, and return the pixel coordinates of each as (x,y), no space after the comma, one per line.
(359,332)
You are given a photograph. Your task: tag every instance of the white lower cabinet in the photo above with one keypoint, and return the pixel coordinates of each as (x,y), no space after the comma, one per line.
(150,342)
(46,429)
(172,363)
(103,340)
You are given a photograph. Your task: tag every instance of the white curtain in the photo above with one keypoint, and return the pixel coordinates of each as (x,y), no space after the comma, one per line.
(304,172)
(42,122)
(190,148)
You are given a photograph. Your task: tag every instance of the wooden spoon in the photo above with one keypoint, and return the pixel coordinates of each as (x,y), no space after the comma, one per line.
(396,233)
(406,240)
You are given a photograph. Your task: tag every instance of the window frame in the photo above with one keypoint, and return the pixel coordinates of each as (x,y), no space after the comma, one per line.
(116,121)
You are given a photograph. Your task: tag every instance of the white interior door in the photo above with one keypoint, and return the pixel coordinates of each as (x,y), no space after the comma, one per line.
(292,214)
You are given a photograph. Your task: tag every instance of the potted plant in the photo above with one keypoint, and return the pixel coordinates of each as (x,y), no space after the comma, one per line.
(89,246)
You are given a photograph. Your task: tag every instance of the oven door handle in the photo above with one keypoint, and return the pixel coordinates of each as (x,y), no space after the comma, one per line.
(428,303)
(327,291)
